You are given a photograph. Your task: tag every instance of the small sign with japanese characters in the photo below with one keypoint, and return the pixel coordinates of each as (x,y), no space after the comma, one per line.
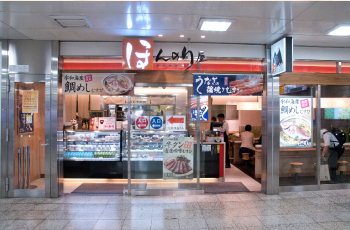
(227,85)
(142,122)
(156,122)
(175,123)
(30,101)
(98,83)
(106,123)
(178,158)
(296,122)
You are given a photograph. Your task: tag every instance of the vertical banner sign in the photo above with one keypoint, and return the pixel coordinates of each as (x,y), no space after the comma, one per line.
(30,101)
(296,122)
(106,123)
(142,122)
(138,54)
(156,122)
(282,56)
(204,111)
(227,85)
(98,83)
(178,158)
(175,123)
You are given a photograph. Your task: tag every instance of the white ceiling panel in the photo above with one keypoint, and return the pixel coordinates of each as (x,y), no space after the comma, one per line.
(117,21)
(29,20)
(64,34)
(108,34)
(37,34)
(308,28)
(263,9)
(327,11)
(330,41)
(9,33)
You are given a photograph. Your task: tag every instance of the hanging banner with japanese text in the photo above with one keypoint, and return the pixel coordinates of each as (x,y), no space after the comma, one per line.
(178,158)
(30,103)
(227,85)
(98,83)
(204,108)
(296,122)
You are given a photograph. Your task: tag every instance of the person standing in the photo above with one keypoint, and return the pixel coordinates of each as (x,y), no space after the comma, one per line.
(225,130)
(332,145)
(247,145)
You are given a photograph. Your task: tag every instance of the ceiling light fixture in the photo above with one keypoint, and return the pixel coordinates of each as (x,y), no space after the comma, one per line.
(160,35)
(343,30)
(215,24)
(72,21)
(202,36)
(181,36)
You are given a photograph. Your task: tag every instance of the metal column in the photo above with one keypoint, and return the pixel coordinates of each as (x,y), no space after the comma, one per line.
(318,133)
(198,143)
(128,143)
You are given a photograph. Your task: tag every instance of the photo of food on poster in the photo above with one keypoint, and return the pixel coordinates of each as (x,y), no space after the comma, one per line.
(227,85)
(98,83)
(296,122)
(204,113)
(178,158)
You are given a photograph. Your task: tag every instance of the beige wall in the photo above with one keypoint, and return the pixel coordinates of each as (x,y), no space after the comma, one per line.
(252,117)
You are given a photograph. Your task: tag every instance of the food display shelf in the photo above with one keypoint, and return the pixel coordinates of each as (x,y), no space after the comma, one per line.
(92,159)
(67,150)
(102,132)
(146,150)
(143,159)
(98,141)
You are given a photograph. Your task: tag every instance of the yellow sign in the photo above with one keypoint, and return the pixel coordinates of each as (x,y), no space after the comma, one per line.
(29,119)
(30,101)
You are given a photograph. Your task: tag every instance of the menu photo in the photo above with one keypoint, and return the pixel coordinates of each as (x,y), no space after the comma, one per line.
(296,122)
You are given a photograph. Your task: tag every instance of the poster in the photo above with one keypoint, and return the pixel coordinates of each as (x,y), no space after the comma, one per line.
(156,122)
(204,111)
(142,122)
(93,125)
(106,123)
(278,57)
(227,85)
(98,83)
(30,101)
(296,122)
(178,158)
(175,123)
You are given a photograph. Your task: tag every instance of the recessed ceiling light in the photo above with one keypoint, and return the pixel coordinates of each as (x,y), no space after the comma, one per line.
(202,36)
(214,24)
(72,21)
(181,36)
(160,35)
(340,31)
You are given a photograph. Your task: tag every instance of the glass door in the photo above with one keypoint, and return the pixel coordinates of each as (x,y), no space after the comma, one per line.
(29,134)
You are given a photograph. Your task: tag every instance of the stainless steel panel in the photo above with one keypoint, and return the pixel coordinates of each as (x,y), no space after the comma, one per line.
(31,193)
(318,133)
(36,54)
(338,67)
(128,144)
(11,143)
(4,119)
(29,78)
(164,192)
(299,188)
(24,167)
(60,151)
(198,143)
(28,167)
(47,135)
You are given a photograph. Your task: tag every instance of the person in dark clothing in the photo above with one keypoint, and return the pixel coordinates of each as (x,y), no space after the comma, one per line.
(225,131)
(213,119)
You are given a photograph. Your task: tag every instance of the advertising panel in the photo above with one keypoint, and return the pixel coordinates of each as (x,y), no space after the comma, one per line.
(156,122)
(30,101)
(138,54)
(178,158)
(282,56)
(142,122)
(204,111)
(227,85)
(106,123)
(98,83)
(296,122)
(175,123)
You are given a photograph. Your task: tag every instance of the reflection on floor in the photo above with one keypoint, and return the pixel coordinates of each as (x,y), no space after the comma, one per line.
(233,174)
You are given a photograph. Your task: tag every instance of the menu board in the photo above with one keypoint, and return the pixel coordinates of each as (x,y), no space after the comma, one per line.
(106,123)
(178,158)
(30,101)
(98,83)
(296,122)
(227,85)
(204,110)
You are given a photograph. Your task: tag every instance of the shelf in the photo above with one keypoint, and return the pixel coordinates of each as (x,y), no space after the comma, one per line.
(91,159)
(143,142)
(146,150)
(72,151)
(143,159)
(93,131)
(97,141)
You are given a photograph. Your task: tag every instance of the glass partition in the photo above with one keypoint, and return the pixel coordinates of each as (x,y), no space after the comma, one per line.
(298,157)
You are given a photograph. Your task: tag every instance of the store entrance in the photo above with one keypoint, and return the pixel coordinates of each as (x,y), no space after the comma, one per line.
(29,136)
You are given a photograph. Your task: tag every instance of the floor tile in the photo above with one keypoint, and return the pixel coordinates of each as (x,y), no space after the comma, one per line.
(323,217)
(23,224)
(94,206)
(207,198)
(108,224)
(80,224)
(52,224)
(248,196)
(5,223)
(246,221)
(335,225)
(70,207)
(137,224)
(139,215)
(227,197)
(193,224)
(220,223)
(46,207)
(113,214)
(61,215)
(31,215)
(87,215)
(343,216)
(165,224)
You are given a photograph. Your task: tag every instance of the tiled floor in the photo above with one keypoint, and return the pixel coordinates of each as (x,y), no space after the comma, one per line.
(302,210)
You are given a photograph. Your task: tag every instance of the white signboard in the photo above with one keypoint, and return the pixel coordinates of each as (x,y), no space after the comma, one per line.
(175,123)
(142,122)
(296,122)
(156,122)
(19,68)
(106,123)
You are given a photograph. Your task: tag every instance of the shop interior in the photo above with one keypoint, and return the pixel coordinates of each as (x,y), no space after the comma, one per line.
(93,156)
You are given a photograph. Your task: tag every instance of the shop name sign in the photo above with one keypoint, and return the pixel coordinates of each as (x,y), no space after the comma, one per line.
(227,85)
(175,56)
(138,54)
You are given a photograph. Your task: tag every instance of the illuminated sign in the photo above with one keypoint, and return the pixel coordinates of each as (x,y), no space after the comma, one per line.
(138,54)
(282,56)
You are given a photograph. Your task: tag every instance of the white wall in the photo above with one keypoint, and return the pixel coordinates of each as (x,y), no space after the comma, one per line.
(251,117)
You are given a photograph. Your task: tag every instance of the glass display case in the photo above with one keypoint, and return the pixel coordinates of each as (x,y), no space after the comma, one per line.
(86,145)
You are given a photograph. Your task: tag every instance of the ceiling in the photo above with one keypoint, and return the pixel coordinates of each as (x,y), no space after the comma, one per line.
(255,22)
